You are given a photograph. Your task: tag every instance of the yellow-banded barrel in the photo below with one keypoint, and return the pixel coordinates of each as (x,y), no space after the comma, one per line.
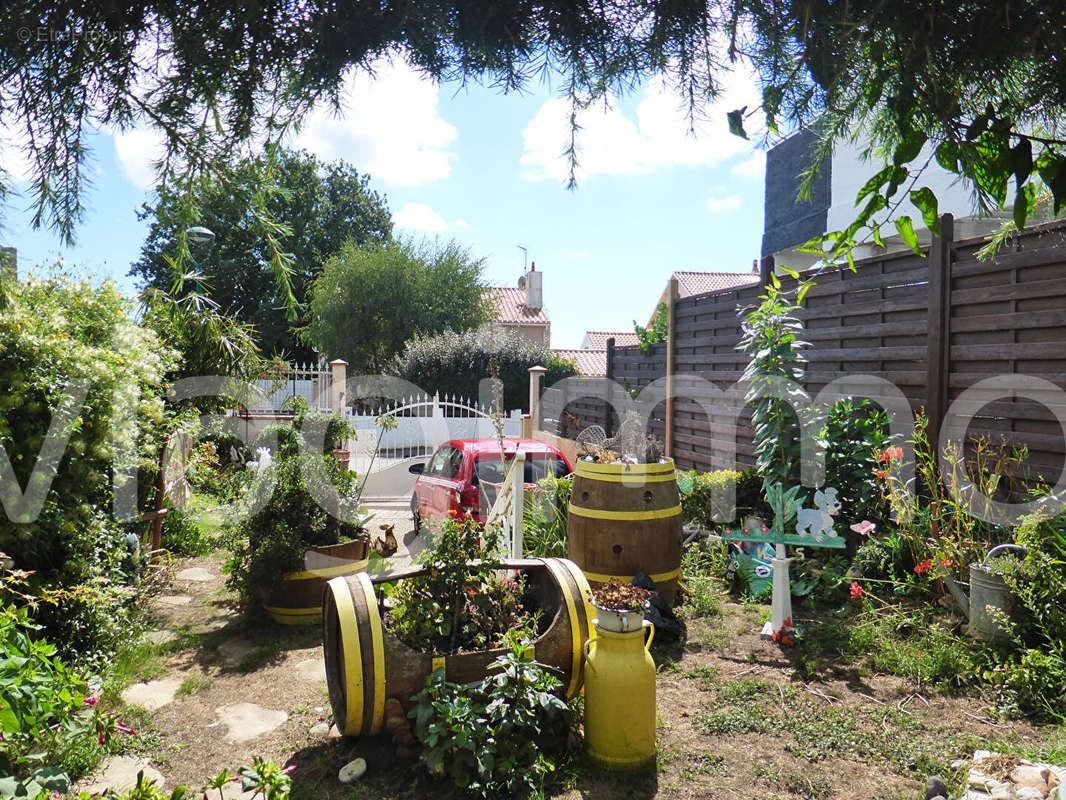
(297,598)
(624,519)
(366,664)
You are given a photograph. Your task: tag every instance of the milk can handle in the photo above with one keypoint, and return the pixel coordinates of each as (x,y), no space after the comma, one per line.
(650,626)
(585,648)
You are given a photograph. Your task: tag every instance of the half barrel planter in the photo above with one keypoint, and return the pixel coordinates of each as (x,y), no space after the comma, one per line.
(296,599)
(624,519)
(366,664)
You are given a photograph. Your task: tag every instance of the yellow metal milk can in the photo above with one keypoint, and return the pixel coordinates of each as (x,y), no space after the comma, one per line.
(620,699)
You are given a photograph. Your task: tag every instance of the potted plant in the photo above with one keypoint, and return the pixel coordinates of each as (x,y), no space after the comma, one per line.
(301,526)
(620,606)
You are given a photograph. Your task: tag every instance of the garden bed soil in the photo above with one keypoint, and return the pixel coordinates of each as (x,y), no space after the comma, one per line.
(735,719)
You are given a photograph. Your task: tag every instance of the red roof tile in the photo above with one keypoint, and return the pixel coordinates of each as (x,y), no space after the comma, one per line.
(598,339)
(701,282)
(511,306)
(590,363)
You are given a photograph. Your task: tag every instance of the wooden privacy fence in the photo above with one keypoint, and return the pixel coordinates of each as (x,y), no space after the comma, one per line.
(932,326)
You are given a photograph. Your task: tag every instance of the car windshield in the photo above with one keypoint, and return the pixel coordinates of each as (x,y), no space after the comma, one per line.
(538,466)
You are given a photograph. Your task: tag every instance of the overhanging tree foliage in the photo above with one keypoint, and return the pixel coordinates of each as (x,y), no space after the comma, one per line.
(982,81)
(322,205)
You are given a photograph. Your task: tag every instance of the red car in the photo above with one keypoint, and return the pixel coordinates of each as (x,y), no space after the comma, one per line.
(454,479)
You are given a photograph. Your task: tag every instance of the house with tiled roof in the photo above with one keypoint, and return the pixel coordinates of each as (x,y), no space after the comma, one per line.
(520,309)
(597,340)
(690,282)
(589,363)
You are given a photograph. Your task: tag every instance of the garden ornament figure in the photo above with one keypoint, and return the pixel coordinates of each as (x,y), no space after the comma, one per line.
(814,529)
(818,522)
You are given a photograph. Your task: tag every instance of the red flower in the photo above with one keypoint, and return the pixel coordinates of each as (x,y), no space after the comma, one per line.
(924,567)
(891,454)
(856,591)
(946,562)
(90,701)
(882,474)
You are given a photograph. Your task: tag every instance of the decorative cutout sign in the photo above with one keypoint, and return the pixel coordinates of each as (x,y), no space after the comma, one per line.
(814,528)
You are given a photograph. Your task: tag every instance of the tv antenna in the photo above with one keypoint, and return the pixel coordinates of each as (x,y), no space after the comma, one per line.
(525,258)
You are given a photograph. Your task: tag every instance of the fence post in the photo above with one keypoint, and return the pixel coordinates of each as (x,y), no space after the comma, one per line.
(518,504)
(610,385)
(938,356)
(339,369)
(671,336)
(766,269)
(536,375)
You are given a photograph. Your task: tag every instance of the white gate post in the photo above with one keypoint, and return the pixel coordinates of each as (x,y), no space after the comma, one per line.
(518,487)
(339,368)
(439,431)
(536,375)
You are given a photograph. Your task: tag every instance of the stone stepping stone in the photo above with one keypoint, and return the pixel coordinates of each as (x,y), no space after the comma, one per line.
(119,773)
(247,721)
(313,670)
(197,574)
(235,651)
(232,791)
(161,637)
(152,695)
(174,599)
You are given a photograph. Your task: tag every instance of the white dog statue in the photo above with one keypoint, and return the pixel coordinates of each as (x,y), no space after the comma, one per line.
(818,522)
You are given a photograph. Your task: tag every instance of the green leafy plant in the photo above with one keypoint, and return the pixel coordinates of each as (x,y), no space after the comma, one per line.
(770,335)
(462,602)
(498,736)
(544,534)
(703,497)
(656,332)
(617,596)
(272,541)
(855,437)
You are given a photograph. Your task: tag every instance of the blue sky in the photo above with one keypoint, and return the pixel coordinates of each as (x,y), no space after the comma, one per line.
(486,169)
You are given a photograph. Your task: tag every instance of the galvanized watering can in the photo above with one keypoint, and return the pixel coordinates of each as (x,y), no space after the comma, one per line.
(989,597)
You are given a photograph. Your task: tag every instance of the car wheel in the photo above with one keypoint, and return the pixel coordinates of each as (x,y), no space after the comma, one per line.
(415,515)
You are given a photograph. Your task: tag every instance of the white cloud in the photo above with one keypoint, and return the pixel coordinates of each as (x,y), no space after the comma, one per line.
(389,126)
(754,167)
(660,134)
(717,203)
(13,158)
(138,149)
(421,217)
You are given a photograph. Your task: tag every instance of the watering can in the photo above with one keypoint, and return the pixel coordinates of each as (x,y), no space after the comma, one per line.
(987,591)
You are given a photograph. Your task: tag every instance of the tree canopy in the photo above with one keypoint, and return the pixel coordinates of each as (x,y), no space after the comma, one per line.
(321,205)
(370,300)
(981,81)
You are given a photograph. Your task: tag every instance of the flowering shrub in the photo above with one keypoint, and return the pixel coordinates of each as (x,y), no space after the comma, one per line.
(703,493)
(58,338)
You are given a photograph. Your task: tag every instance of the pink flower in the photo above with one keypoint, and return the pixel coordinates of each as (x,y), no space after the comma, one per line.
(891,454)
(856,591)
(289,769)
(864,528)
(90,701)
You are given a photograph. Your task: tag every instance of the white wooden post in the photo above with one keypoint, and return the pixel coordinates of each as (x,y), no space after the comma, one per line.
(536,375)
(339,368)
(781,604)
(518,486)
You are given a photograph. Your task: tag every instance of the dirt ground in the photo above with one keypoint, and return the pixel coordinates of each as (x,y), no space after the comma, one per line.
(735,720)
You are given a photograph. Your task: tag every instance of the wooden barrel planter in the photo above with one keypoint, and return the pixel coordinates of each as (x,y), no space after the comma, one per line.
(297,598)
(624,519)
(366,664)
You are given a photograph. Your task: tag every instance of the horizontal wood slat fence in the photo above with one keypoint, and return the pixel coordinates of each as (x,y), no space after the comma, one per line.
(931,326)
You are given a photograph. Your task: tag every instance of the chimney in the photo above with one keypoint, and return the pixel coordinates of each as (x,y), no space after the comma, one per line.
(534,288)
(755,266)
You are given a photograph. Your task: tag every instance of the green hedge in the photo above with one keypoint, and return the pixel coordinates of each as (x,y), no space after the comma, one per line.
(456,363)
(705,505)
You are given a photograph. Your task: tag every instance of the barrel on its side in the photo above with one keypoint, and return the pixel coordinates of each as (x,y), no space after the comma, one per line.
(366,664)
(624,519)
(297,598)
